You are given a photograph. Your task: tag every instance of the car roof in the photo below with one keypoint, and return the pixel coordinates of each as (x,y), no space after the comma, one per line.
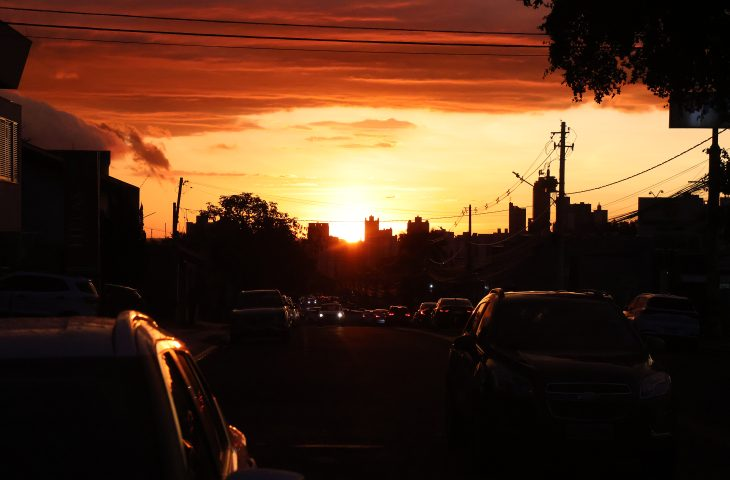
(662,295)
(587,295)
(70,337)
(75,278)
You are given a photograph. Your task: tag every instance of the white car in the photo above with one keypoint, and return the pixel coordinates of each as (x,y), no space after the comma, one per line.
(667,316)
(331,312)
(45,294)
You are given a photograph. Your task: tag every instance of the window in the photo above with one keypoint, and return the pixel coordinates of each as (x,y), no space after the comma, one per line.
(9,150)
(200,461)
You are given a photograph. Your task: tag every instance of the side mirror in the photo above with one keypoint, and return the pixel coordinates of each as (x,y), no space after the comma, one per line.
(465,343)
(655,344)
(264,474)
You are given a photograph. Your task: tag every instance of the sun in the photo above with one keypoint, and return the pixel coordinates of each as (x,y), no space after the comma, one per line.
(350,231)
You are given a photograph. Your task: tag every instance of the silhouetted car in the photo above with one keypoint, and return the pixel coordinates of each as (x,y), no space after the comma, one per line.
(260,312)
(398,315)
(424,312)
(45,294)
(451,312)
(551,368)
(670,317)
(108,398)
(376,316)
(115,299)
(331,312)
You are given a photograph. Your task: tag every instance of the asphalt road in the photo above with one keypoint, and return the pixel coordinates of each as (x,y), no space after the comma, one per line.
(360,402)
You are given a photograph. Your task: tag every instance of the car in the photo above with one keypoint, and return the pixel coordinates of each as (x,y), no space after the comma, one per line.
(294,310)
(555,369)
(451,313)
(109,398)
(260,312)
(670,317)
(115,299)
(424,312)
(331,312)
(47,294)
(375,316)
(398,315)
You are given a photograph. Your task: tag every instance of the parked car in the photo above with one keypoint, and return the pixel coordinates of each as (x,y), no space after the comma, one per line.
(376,316)
(110,398)
(115,299)
(45,294)
(294,310)
(260,312)
(554,368)
(424,312)
(670,317)
(331,312)
(451,313)
(398,315)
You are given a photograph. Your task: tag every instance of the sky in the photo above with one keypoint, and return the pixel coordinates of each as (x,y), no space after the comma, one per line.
(336,131)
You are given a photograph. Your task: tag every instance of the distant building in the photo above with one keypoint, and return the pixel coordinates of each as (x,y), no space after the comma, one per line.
(10,121)
(378,244)
(418,226)
(541,191)
(600,218)
(318,232)
(517,219)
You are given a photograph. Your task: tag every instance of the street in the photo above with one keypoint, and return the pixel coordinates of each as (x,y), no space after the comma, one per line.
(358,402)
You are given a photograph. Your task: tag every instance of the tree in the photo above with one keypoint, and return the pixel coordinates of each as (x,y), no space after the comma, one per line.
(253,215)
(674,48)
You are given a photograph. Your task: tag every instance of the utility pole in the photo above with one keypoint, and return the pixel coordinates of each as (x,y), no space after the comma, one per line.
(468,247)
(713,217)
(560,205)
(176,209)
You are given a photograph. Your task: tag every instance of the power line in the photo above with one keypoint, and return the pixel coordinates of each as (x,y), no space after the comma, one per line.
(269,24)
(273,37)
(643,171)
(289,49)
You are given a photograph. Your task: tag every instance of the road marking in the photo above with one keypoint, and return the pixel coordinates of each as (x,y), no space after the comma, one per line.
(205,353)
(339,446)
(448,338)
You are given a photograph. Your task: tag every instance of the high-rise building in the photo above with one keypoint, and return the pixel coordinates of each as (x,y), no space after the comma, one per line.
(517,219)
(541,191)
(318,232)
(372,227)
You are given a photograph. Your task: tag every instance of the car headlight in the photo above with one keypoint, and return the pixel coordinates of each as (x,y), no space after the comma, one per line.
(655,385)
(339,314)
(511,382)
(321,315)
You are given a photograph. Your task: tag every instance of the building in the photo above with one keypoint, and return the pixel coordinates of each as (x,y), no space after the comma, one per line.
(378,244)
(10,121)
(417,227)
(544,186)
(517,219)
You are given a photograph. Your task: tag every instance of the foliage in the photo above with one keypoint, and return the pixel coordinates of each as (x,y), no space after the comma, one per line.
(673,48)
(252,214)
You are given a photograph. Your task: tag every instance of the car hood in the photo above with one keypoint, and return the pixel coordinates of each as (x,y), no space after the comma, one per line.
(612,367)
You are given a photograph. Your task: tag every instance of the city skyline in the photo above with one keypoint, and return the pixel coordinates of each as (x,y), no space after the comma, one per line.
(335,136)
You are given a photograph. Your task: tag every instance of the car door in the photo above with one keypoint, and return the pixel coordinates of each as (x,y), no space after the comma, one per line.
(463,359)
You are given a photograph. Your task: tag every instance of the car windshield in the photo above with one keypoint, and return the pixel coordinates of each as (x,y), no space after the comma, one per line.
(562,324)
(259,299)
(77,418)
(456,302)
(426,306)
(670,303)
(331,306)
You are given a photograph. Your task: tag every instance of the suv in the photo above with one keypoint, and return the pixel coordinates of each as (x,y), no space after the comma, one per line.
(109,398)
(669,317)
(46,294)
(261,312)
(555,367)
(451,312)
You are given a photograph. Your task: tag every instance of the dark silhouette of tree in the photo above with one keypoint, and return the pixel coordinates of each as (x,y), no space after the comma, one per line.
(252,215)
(673,48)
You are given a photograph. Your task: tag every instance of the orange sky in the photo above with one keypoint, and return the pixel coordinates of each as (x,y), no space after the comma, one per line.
(335,136)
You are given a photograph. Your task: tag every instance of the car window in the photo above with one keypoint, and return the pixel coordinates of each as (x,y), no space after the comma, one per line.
(213,424)
(562,324)
(263,299)
(36,283)
(198,451)
(669,303)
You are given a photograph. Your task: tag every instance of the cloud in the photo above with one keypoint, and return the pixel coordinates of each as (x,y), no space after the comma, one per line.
(338,138)
(223,146)
(368,124)
(63,75)
(50,128)
(200,173)
(374,145)
(148,156)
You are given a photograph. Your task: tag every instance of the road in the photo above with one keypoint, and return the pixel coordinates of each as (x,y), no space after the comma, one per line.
(360,402)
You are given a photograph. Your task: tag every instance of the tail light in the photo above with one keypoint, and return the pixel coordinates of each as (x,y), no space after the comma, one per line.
(390,314)
(444,310)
